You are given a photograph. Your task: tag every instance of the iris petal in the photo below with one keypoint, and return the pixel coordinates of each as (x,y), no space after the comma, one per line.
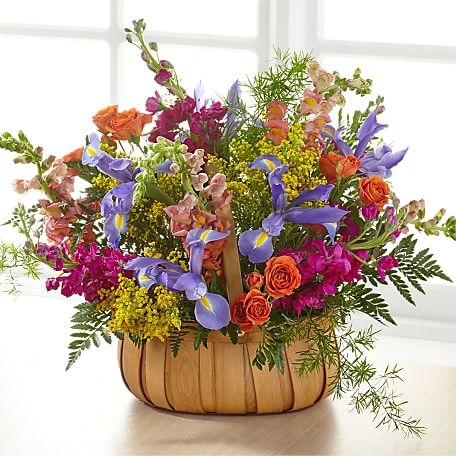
(212,311)
(256,245)
(268,162)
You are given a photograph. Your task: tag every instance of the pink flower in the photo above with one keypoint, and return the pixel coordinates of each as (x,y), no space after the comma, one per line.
(95,270)
(323,80)
(198,181)
(195,160)
(385,264)
(153,103)
(187,215)
(162,76)
(370,212)
(20,186)
(217,186)
(310,103)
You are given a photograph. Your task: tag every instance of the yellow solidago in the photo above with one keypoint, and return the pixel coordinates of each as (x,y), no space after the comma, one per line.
(138,314)
(172,185)
(152,251)
(104,183)
(303,169)
(145,216)
(108,149)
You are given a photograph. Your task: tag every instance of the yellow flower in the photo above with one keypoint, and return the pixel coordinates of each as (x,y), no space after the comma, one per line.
(104,183)
(135,312)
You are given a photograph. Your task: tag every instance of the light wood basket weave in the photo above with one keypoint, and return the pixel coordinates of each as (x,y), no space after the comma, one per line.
(221,378)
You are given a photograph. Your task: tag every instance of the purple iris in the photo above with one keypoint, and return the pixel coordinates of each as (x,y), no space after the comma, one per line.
(155,271)
(212,311)
(257,244)
(198,96)
(378,162)
(117,203)
(115,206)
(118,168)
(167,167)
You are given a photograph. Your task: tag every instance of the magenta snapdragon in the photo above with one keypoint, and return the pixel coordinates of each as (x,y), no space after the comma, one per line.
(323,269)
(95,269)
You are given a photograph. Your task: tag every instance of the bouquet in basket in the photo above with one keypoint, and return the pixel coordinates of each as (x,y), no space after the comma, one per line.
(269,210)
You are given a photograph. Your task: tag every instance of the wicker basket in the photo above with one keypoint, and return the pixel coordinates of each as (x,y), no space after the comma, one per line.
(219,379)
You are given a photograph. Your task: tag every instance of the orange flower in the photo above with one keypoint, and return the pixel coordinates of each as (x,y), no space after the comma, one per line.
(276,110)
(282,276)
(127,124)
(279,127)
(121,125)
(374,190)
(333,165)
(238,311)
(279,130)
(73,156)
(257,306)
(102,118)
(254,280)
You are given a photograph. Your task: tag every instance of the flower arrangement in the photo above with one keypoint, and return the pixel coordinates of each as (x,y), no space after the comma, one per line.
(232,216)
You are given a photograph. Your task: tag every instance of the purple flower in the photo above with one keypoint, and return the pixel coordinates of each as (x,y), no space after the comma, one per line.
(95,270)
(380,161)
(385,264)
(153,103)
(370,212)
(162,76)
(391,213)
(257,244)
(115,206)
(212,311)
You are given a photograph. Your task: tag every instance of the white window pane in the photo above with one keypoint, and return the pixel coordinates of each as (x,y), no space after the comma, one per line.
(390,21)
(50,90)
(420,116)
(83,13)
(217,68)
(234,17)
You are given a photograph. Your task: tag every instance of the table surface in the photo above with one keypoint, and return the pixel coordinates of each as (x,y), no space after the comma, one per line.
(47,411)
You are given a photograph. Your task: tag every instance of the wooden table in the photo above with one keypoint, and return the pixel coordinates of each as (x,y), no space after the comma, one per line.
(88,411)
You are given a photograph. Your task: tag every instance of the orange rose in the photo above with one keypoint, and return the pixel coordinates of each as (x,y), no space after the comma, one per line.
(374,190)
(333,165)
(282,276)
(127,124)
(254,280)
(74,156)
(102,118)
(257,306)
(238,311)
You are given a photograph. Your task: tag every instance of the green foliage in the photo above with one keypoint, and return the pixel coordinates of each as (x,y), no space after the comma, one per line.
(270,351)
(175,339)
(12,259)
(415,268)
(360,297)
(370,390)
(89,323)
(285,80)
(200,336)
(22,147)
(24,220)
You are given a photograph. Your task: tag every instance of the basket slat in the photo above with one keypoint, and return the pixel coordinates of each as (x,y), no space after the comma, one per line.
(221,378)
